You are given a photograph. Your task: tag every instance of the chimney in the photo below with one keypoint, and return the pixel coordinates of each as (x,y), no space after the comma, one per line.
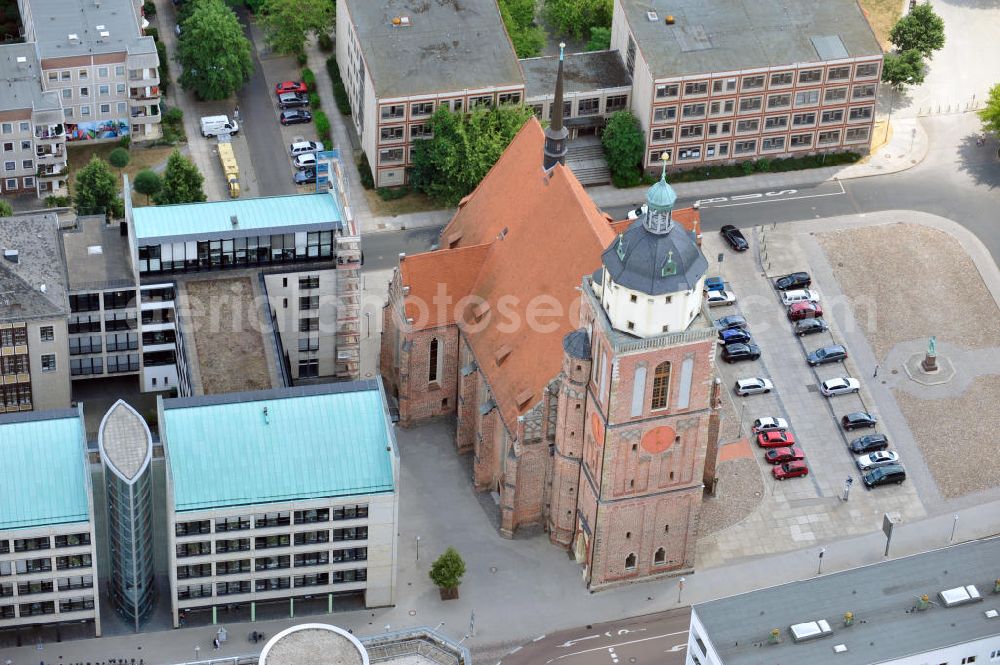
(234,221)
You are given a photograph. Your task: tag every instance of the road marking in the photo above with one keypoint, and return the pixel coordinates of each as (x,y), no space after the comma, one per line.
(569,643)
(761,198)
(620,644)
(515,650)
(614,656)
(677,647)
(540,637)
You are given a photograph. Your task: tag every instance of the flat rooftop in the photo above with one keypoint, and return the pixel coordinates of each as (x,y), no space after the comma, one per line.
(32,282)
(20,71)
(308,442)
(883,598)
(43,469)
(214,219)
(53,21)
(97,255)
(711,36)
(449,46)
(582,72)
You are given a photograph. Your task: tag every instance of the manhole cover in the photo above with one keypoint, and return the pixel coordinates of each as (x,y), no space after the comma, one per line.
(895,371)
(493,569)
(413,613)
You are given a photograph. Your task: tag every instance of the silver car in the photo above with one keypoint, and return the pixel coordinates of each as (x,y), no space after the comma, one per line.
(719,298)
(842,385)
(878,458)
(752,386)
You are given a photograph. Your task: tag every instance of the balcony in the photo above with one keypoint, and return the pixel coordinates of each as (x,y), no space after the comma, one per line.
(51,172)
(147,93)
(50,133)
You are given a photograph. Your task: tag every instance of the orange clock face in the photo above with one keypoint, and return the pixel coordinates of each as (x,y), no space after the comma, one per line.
(658,439)
(598,428)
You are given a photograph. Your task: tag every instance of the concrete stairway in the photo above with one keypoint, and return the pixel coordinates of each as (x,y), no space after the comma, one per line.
(585,156)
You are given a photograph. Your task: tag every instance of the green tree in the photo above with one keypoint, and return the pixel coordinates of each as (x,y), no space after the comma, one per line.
(148,182)
(600,39)
(463,148)
(119,159)
(519,19)
(5,209)
(448,570)
(990,114)
(289,23)
(921,29)
(624,148)
(97,190)
(181,181)
(577,17)
(213,51)
(902,69)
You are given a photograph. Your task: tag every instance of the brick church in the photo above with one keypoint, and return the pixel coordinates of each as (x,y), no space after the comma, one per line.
(576,355)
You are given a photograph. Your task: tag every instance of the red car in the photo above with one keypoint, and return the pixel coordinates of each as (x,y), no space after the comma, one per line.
(790,470)
(804,310)
(780,455)
(290,86)
(775,439)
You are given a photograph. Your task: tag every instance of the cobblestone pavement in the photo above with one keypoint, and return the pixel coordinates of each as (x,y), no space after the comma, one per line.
(737,494)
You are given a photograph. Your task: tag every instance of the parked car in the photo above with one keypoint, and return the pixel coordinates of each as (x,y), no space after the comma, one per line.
(790,470)
(720,298)
(735,238)
(858,420)
(295,117)
(306,161)
(798,295)
(869,443)
(637,212)
(827,354)
(302,147)
(795,280)
(735,336)
(769,424)
(775,439)
(292,100)
(782,455)
(877,458)
(752,386)
(305,177)
(842,385)
(804,310)
(714,284)
(732,353)
(809,326)
(290,86)
(730,322)
(884,475)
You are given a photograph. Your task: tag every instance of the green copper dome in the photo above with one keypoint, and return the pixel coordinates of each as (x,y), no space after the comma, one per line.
(661,196)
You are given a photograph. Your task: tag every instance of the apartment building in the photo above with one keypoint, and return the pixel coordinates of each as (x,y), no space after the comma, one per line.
(263,508)
(34,341)
(94,56)
(32,127)
(722,82)
(48,571)
(400,62)
(304,312)
(938,607)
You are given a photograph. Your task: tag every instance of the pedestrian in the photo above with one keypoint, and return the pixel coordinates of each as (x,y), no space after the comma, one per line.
(215,642)
(876,372)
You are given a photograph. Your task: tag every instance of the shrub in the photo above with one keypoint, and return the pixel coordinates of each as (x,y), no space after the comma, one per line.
(161,52)
(309,78)
(747,167)
(125,142)
(149,9)
(301,58)
(154,33)
(325,42)
(119,158)
(365,172)
(57,201)
(447,571)
(624,147)
(392,193)
(173,116)
(339,91)
(322,125)
(314,100)
(763,164)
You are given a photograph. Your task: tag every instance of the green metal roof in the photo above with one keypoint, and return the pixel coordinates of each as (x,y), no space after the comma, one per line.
(314,441)
(43,470)
(201,220)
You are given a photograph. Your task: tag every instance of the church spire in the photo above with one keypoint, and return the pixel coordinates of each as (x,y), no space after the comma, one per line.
(556,134)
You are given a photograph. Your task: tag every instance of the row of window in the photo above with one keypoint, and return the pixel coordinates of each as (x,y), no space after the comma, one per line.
(838,73)
(266,520)
(12,184)
(203,548)
(45,542)
(28,566)
(114,342)
(113,321)
(212,254)
(13,397)
(91,302)
(426,108)
(47,607)
(11,165)
(16,364)
(46,586)
(14,336)
(272,563)
(187,591)
(83,74)
(772,144)
(585,106)
(756,104)
(775,123)
(8,146)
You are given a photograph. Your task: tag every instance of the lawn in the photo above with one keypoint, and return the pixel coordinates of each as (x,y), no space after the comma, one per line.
(882,14)
(141,158)
(412,202)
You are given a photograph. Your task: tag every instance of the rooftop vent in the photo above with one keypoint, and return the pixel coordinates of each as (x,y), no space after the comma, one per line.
(267,419)
(95,250)
(11,255)
(99,27)
(652,16)
(810,630)
(401,21)
(105,35)
(74,38)
(21,60)
(669,20)
(840,648)
(960,595)
(234,220)
(991,614)
(501,354)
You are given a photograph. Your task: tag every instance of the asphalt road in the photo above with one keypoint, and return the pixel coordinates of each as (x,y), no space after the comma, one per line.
(653,639)
(382,249)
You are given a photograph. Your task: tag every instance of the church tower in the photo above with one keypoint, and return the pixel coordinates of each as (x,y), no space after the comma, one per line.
(652,351)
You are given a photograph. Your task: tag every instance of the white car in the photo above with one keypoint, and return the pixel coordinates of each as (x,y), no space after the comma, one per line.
(798,295)
(842,385)
(306,160)
(879,458)
(719,298)
(636,213)
(752,386)
(769,424)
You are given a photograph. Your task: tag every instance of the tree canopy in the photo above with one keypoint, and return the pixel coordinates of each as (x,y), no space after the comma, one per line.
(289,23)
(990,114)
(97,190)
(148,182)
(181,181)
(902,69)
(921,29)
(119,158)
(624,148)
(519,19)
(464,147)
(447,571)
(600,39)
(577,17)
(214,51)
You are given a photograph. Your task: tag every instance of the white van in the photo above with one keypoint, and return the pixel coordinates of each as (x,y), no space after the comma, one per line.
(800,295)
(213,125)
(304,147)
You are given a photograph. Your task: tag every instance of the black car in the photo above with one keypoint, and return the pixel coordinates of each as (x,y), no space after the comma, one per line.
(827,354)
(858,420)
(730,322)
(884,475)
(295,117)
(796,280)
(810,326)
(735,352)
(734,238)
(869,443)
(305,177)
(289,100)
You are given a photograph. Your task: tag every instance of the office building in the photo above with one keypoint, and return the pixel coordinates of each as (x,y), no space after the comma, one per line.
(280,495)
(48,572)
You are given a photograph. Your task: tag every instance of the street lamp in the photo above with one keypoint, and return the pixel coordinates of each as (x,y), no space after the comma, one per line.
(418,548)
(197,651)
(680,589)
(954,526)
(819,568)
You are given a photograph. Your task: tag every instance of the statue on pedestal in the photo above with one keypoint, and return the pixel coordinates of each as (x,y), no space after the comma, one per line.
(929,363)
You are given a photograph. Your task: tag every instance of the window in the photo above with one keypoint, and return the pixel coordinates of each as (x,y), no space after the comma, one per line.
(309,324)
(85,110)
(270,563)
(485,101)
(192,528)
(806,97)
(660,557)
(724,85)
(393,112)
(780,79)
(834,95)
(809,76)
(49,362)
(803,119)
(693,110)
(509,98)
(65,75)
(657,157)
(390,155)
(350,512)
(102,72)
(828,117)
(7,128)
(856,134)
(422,131)
(860,113)
(749,104)
(25,145)
(615,103)
(801,140)
(779,101)
(968,659)
(589,106)
(47,333)
(720,128)
(866,70)
(75,561)
(755,82)
(53,76)
(9,147)
(73,540)
(309,302)
(104,90)
(630,562)
(630,56)
(661,384)
(10,166)
(722,107)
(82,74)
(775,122)
(692,131)
(25,126)
(662,134)
(120,70)
(421,108)
(105,109)
(391,134)
(667,91)
(267,542)
(744,147)
(838,73)
(432,370)
(84,92)
(863,91)
(689,153)
(10,183)
(773,143)
(695,88)
(120,88)
(27,163)
(745,126)
(308,367)
(995,655)
(826,138)
(664,113)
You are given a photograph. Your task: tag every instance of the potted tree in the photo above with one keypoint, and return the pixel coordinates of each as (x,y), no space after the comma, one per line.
(447,573)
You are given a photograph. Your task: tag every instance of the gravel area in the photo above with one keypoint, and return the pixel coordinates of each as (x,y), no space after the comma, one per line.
(227,336)
(739,492)
(951,432)
(903,280)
